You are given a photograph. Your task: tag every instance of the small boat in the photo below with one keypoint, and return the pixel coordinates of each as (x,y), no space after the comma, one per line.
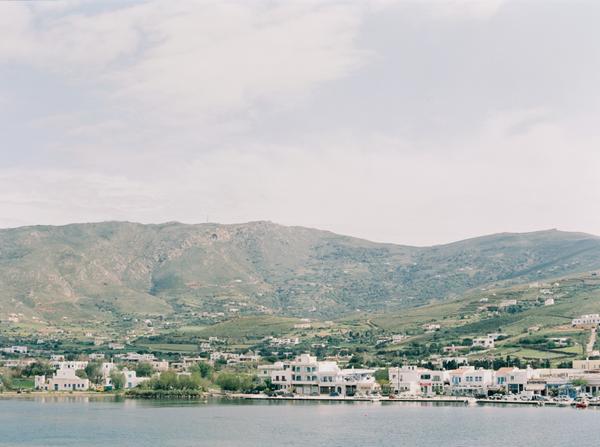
(582,404)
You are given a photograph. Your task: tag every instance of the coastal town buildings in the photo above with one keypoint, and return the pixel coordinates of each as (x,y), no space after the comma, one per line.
(307,376)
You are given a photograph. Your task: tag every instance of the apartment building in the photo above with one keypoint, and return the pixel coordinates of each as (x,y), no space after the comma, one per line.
(307,376)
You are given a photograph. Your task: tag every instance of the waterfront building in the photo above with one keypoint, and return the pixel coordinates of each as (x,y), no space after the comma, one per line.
(307,376)
(466,380)
(64,379)
(513,380)
(131,378)
(106,368)
(264,371)
(416,381)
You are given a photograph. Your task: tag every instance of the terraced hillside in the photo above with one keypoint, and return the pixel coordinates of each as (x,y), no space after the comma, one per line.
(114,270)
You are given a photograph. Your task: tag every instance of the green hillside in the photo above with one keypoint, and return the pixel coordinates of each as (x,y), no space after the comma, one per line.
(533,330)
(113,271)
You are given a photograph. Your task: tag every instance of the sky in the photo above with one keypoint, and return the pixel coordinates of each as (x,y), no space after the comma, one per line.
(410,122)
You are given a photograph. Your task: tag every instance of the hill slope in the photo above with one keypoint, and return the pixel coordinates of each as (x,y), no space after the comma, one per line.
(113,269)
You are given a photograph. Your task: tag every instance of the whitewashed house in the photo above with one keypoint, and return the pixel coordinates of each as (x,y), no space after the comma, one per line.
(264,371)
(307,376)
(64,379)
(512,379)
(74,365)
(467,380)
(486,342)
(412,380)
(588,320)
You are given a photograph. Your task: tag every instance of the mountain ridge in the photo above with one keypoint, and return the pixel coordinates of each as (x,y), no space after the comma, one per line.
(269,222)
(110,270)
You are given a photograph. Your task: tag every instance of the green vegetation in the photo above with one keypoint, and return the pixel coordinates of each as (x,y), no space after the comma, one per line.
(234,382)
(249,327)
(37,369)
(170,385)
(176,286)
(118,380)
(177,275)
(93,372)
(143,369)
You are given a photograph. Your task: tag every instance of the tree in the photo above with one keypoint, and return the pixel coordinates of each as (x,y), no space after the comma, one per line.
(144,369)
(234,382)
(37,369)
(204,369)
(81,374)
(191,382)
(5,382)
(93,370)
(381,375)
(118,380)
(356,361)
(167,381)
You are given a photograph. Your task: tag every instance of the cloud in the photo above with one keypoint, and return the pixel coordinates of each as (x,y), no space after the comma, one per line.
(465,9)
(188,58)
(376,187)
(406,122)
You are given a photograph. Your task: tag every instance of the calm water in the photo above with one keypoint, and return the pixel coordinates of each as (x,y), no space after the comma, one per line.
(77,422)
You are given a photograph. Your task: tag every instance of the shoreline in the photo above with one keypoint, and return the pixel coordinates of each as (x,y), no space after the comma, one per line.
(25,395)
(446,400)
(469,401)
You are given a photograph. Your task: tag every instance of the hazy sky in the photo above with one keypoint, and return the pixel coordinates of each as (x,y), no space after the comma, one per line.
(409,122)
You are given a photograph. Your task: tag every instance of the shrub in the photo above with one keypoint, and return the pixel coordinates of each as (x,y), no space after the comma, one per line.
(234,382)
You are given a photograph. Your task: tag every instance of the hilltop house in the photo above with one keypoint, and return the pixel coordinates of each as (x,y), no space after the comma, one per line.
(507,303)
(588,320)
(486,342)
(15,350)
